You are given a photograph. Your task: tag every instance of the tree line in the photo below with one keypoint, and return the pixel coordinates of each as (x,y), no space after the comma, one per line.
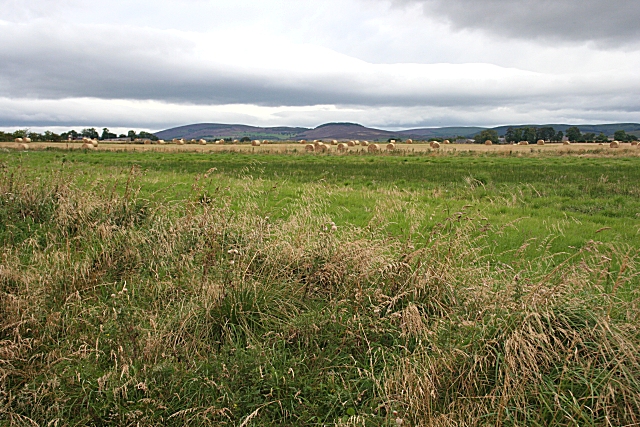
(90,133)
(547,133)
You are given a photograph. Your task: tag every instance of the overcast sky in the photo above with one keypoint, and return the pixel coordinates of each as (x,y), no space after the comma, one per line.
(154,64)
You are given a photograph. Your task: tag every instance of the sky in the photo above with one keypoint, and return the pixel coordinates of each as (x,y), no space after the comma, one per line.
(391,64)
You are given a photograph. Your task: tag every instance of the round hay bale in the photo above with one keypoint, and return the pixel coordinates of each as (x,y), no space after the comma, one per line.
(488,142)
(342,147)
(265,142)
(365,143)
(322,147)
(634,143)
(373,148)
(202,142)
(523,143)
(540,142)
(221,141)
(235,141)
(147,141)
(302,141)
(435,144)
(351,143)
(255,143)
(310,147)
(18,139)
(391,146)
(94,142)
(23,146)
(566,143)
(193,141)
(180,142)
(161,141)
(446,141)
(409,141)
(334,142)
(88,146)
(27,139)
(614,144)
(357,142)
(393,141)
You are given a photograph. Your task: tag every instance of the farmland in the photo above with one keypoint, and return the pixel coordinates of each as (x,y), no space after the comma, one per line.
(235,285)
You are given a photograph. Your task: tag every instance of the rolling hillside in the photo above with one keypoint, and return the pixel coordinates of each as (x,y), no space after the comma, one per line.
(356,131)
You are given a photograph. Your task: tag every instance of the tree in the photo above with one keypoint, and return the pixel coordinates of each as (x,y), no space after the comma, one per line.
(90,133)
(574,134)
(487,135)
(529,134)
(546,133)
(559,136)
(147,135)
(588,137)
(107,135)
(602,138)
(621,136)
(132,135)
(245,139)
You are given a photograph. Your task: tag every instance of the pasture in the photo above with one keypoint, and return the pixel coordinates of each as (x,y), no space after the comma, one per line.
(238,285)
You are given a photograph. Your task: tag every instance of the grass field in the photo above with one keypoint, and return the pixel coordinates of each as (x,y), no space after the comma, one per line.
(449,288)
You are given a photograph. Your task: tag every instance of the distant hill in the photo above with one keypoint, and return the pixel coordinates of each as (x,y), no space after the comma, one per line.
(356,131)
(445,132)
(326,131)
(348,131)
(216,130)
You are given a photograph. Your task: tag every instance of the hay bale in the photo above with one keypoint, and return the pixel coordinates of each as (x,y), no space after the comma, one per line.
(365,143)
(88,146)
(235,141)
(18,139)
(435,144)
(161,141)
(409,141)
(488,142)
(180,142)
(566,143)
(255,143)
(393,141)
(373,148)
(147,142)
(322,147)
(23,146)
(351,143)
(391,146)
(357,142)
(221,141)
(202,142)
(342,147)
(540,142)
(634,143)
(302,141)
(334,142)
(523,143)
(614,144)
(446,141)
(94,142)
(27,139)
(310,147)
(193,141)
(265,142)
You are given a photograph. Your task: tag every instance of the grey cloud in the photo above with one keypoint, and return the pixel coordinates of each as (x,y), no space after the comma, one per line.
(145,64)
(607,23)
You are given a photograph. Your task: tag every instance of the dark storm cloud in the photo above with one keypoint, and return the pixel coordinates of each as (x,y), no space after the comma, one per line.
(607,23)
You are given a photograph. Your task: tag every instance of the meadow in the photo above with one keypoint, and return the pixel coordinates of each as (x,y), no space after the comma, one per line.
(246,289)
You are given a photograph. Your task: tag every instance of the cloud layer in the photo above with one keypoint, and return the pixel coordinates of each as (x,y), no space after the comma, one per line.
(299,63)
(606,23)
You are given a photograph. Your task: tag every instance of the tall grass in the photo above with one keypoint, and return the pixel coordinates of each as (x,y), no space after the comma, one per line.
(116,310)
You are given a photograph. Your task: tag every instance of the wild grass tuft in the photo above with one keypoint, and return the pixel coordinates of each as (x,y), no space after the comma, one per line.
(116,310)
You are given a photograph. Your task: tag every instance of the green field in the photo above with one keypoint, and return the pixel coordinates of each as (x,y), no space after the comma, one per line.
(282,289)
